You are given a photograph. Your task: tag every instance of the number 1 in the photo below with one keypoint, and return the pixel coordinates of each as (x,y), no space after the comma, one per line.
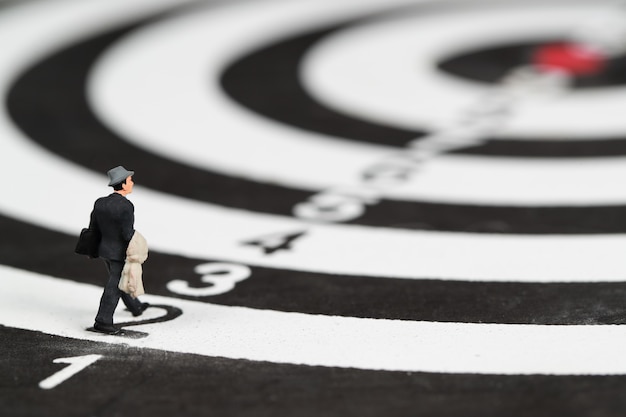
(77,364)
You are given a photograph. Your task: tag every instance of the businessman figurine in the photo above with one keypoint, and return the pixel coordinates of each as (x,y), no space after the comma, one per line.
(114,217)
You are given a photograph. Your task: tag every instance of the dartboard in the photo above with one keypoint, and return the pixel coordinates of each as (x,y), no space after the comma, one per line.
(353,207)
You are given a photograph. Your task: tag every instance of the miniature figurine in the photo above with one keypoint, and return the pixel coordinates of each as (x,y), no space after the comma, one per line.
(113,217)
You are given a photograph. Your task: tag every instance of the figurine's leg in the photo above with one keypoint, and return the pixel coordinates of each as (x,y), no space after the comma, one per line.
(111,295)
(133,304)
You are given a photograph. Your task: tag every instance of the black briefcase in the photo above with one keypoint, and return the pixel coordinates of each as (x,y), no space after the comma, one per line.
(88,243)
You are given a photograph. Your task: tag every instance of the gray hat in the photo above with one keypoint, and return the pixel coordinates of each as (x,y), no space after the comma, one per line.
(119,174)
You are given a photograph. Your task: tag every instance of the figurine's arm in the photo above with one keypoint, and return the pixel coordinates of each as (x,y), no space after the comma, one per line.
(93,223)
(128,223)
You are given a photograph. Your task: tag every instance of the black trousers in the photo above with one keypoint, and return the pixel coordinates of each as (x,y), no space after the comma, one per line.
(111,295)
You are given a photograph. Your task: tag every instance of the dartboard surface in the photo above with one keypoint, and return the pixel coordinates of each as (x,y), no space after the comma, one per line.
(353,207)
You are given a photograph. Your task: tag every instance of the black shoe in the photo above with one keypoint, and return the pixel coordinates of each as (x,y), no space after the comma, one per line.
(142,308)
(106,328)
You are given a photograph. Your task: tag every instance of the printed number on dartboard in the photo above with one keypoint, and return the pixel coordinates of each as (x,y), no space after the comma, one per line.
(219,278)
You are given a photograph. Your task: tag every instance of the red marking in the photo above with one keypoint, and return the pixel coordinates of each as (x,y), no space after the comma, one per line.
(572,58)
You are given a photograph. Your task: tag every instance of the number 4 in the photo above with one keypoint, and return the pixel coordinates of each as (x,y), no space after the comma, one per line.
(276,241)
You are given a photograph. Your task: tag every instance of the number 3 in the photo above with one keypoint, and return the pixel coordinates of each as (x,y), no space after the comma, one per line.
(222,276)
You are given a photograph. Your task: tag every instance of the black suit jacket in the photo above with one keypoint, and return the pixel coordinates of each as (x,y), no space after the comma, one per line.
(114,217)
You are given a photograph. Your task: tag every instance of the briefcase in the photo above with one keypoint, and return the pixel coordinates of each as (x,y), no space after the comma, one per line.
(88,243)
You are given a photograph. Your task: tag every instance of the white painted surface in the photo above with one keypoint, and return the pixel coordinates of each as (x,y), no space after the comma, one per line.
(243,333)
